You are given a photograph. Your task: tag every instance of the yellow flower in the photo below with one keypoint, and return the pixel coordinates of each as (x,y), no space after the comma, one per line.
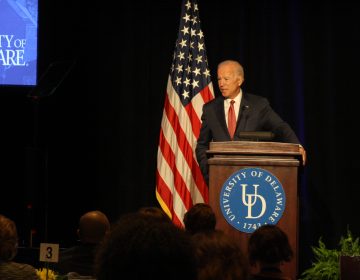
(42,272)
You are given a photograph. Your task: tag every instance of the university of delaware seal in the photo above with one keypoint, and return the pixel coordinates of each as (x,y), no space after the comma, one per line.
(252,197)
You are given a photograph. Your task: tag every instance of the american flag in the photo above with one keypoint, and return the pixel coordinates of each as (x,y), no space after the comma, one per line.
(179,182)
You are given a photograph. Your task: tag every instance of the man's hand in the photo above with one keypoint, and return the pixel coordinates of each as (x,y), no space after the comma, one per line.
(303,154)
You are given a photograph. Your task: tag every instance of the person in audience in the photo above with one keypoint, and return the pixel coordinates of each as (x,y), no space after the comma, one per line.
(200,217)
(145,247)
(154,212)
(219,257)
(93,226)
(10,270)
(268,248)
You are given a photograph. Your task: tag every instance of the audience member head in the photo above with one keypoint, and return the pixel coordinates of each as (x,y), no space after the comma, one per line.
(10,269)
(93,226)
(144,247)
(8,239)
(200,217)
(155,212)
(219,257)
(269,245)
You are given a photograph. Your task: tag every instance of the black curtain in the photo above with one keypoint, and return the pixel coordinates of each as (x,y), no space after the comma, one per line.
(93,143)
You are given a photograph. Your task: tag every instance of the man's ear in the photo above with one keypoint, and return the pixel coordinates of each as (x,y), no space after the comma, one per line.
(78,233)
(241,80)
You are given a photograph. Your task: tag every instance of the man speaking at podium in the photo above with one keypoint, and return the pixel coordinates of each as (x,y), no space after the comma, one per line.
(223,118)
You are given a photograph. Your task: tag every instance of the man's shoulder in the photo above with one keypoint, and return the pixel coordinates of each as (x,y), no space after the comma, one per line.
(80,248)
(214,102)
(254,98)
(14,270)
(249,97)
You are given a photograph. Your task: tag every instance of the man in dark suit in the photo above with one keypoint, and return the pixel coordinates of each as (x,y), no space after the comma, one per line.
(252,113)
(79,259)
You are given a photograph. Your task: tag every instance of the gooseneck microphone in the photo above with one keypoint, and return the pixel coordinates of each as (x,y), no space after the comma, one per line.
(256,135)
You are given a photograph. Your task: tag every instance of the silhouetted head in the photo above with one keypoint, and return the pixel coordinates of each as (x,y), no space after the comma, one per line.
(219,257)
(155,212)
(93,226)
(8,239)
(200,217)
(270,245)
(145,247)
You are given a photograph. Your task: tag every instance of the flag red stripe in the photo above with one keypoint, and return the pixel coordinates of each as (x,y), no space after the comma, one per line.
(177,221)
(163,190)
(166,197)
(179,183)
(207,95)
(186,149)
(195,169)
(196,123)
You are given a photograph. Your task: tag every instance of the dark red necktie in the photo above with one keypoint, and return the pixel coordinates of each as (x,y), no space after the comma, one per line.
(231,119)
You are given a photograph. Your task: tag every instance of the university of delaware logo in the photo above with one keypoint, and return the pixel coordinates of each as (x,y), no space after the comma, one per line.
(252,197)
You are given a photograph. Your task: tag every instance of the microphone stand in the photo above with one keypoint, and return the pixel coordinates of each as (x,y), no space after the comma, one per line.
(37,180)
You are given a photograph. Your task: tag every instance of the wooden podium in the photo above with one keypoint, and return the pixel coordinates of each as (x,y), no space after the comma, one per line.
(280,159)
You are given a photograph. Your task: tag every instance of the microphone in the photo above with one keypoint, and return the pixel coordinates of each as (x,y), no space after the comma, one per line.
(256,135)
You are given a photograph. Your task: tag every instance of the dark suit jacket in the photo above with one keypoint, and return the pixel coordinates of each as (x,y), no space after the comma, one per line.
(255,114)
(79,259)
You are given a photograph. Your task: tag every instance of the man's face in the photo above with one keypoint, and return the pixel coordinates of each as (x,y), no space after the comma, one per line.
(229,80)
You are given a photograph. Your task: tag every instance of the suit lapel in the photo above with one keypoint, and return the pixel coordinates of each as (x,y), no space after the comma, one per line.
(244,110)
(220,114)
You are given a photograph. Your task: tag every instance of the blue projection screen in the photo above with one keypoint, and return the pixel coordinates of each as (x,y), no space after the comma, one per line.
(18,42)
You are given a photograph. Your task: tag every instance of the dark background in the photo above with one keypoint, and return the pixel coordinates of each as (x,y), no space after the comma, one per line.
(93,143)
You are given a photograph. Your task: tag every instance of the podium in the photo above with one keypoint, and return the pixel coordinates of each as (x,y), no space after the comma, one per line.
(280,159)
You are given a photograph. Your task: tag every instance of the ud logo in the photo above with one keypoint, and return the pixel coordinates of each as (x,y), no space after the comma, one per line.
(252,197)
